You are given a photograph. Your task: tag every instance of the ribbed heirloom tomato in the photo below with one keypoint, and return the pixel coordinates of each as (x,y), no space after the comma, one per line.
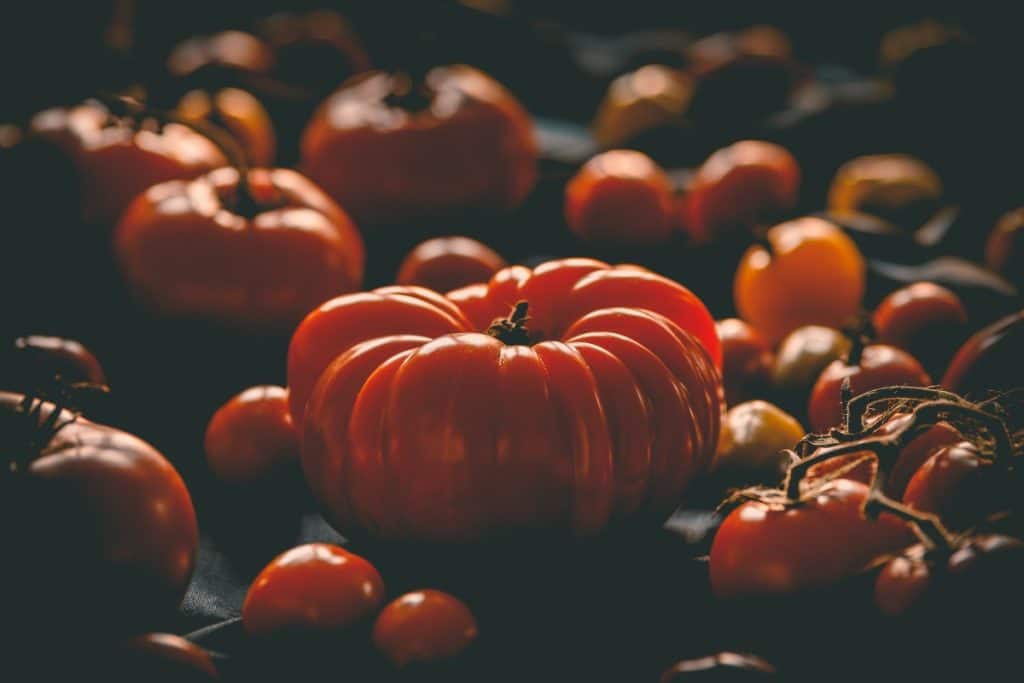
(597,399)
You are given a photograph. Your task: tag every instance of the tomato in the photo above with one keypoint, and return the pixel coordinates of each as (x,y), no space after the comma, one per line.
(989,360)
(925,319)
(765,549)
(315,587)
(878,365)
(597,400)
(252,437)
(896,187)
(161,658)
(116,158)
(388,149)
(720,667)
(446,263)
(958,484)
(39,359)
(651,96)
(97,521)
(1004,248)
(289,247)
(207,58)
(813,275)
(240,114)
(620,197)
(753,437)
(424,626)
(803,354)
(747,360)
(740,186)
(977,577)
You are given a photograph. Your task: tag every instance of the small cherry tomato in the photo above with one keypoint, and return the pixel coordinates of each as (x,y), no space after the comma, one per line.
(753,436)
(251,437)
(747,360)
(803,354)
(738,187)
(388,149)
(813,275)
(875,366)
(237,112)
(975,577)
(896,187)
(446,263)
(924,319)
(959,485)
(765,548)
(1004,249)
(38,358)
(424,626)
(724,666)
(651,96)
(989,360)
(620,197)
(161,658)
(315,587)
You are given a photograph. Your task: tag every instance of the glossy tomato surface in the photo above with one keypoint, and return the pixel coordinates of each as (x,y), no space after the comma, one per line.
(763,549)
(606,409)
(252,437)
(199,250)
(424,626)
(315,587)
(446,263)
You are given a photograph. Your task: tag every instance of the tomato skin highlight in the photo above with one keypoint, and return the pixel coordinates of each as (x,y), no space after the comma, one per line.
(315,587)
(764,550)
(446,263)
(424,626)
(251,436)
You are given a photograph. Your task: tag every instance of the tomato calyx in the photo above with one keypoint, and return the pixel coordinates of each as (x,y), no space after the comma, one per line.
(929,407)
(27,432)
(512,330)
(410,91)
(860,332)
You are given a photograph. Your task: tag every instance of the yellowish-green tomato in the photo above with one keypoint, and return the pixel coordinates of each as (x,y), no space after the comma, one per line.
(754,435)
(803,354)
(649,97)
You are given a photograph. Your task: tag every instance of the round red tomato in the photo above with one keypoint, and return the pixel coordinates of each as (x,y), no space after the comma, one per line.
(598,399)
(924,319)
(99,523)
(960,485)
(424,626)
(620,197)
(288,245)
(161,658)
(252,437)
(240,114)
(117,159)
(389,149)
(312,587)
(446,263)
(738,187)
(747,361)
(37,358)
(766,549)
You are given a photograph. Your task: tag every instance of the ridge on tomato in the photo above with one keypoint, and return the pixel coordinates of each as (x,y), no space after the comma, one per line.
(432,418)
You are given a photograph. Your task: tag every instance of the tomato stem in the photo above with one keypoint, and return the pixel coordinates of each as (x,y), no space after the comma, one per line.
(860,332)
(512,330)
(927,526)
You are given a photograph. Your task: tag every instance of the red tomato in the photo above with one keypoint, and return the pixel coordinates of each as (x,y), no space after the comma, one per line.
(924,319)
(605,404)
(240,114)
(446,263)
(289,248)
(464,143)
(312,587)
(162,658)
(234,50)
(620,197)
(116,159)
(252,437)
(424,626)
(738,187)
(747,361)
(763,549)
(107,526)
(989,360)
(1004,248)
(40,358)
(878,366)
(953,484)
